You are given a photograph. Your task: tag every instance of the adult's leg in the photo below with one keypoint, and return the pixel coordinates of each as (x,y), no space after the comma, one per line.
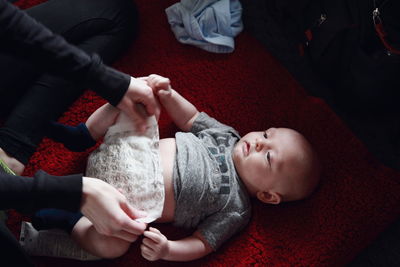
(100,26)
(112,23)
(11,254)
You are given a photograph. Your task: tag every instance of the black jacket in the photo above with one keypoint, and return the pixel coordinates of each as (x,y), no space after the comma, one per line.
(42,191)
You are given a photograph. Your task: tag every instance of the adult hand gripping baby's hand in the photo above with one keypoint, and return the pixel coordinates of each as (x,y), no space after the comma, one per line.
(109,210)
(139,94)
(155,245)
(161,86)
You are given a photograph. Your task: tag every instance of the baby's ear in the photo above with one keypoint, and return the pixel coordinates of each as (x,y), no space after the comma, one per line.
(269,197)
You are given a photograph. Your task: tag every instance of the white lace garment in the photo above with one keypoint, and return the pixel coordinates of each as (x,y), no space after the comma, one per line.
(131,162)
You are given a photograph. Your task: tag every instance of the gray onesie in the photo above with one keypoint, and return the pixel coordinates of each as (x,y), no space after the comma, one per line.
(208,192)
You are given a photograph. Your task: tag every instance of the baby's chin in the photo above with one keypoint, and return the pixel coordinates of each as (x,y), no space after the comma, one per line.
(236,152)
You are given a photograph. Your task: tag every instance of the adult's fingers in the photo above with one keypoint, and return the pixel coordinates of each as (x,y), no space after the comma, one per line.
(157,111)
(141,110)
(152,105)
(144,78)
(132,212)
(134,227)
(128,106)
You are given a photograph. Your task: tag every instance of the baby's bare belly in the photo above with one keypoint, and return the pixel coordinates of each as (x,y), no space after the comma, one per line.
(167,154)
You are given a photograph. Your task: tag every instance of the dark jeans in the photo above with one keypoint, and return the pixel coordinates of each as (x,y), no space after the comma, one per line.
(11,253)
(31,99)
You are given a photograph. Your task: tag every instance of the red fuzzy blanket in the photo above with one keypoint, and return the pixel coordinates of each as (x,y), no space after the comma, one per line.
(250,90)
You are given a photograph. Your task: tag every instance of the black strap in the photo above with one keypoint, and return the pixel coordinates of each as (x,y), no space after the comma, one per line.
(380,30)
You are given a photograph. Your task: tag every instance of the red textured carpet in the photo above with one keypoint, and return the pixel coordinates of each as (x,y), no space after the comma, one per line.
(249,89)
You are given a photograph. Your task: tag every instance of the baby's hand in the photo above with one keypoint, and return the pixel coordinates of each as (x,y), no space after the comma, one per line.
(155,245)
(161,86)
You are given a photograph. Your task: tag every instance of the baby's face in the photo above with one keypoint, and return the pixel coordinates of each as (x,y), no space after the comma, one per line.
(267,160)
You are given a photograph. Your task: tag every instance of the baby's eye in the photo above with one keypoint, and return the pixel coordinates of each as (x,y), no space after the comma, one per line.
(265,135)
(268,157)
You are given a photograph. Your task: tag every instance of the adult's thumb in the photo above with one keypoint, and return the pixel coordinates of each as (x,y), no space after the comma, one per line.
(134,213)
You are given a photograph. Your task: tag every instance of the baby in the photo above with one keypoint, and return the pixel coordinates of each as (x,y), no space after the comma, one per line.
(208,172)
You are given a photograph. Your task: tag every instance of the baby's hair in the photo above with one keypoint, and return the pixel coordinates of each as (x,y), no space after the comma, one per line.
(309,172)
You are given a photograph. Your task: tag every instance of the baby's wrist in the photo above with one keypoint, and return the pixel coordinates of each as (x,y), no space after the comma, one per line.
(165,254)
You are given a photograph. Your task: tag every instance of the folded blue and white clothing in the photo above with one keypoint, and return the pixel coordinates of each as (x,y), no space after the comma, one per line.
(208,24)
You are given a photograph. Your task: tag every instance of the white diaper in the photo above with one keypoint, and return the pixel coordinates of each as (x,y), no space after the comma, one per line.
(131,162)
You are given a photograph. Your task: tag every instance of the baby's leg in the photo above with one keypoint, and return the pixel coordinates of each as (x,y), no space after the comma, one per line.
(97,244)
(83,136)
(101,120)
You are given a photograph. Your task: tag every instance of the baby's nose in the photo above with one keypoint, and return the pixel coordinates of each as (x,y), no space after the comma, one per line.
(260,144)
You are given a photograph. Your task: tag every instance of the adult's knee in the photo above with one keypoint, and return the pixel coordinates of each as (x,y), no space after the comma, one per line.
(123,14)
(117,25)
(78,20)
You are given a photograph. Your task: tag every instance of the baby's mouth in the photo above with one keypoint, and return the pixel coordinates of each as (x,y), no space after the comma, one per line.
(246,148)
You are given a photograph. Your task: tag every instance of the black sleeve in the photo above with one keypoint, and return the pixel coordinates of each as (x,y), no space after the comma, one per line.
(24,37)
(41,191)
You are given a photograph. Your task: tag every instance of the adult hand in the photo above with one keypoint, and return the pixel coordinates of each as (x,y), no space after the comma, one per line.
(109,210)
(139,94)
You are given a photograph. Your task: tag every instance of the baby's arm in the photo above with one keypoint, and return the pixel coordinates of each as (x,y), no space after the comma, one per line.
(181,111)
(156,246)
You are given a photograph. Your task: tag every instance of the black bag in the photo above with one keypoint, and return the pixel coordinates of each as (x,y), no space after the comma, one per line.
(353,46)
(338,42)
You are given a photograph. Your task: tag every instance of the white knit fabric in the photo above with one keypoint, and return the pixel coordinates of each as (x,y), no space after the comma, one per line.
(131,162)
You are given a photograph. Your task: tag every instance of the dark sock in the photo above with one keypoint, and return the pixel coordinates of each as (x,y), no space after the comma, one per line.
(74,138)
(55,218)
